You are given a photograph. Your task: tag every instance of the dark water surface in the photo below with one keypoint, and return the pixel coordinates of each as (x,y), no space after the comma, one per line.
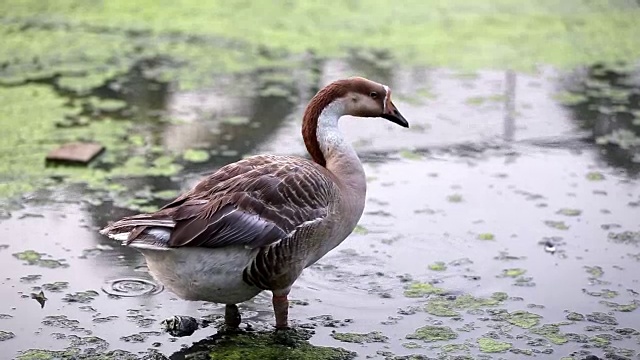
(476,198)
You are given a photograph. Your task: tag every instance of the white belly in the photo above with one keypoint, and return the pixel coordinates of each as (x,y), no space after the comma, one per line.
(200,274)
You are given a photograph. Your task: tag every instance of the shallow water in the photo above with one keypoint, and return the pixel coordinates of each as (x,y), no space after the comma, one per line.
(472,199)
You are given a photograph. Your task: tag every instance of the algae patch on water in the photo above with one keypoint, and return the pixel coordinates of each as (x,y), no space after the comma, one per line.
(433,333)
(489,345)
(374,336)
(450,306)
(418,289)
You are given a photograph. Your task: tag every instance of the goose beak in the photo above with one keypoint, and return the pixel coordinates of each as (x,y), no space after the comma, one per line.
(392,114)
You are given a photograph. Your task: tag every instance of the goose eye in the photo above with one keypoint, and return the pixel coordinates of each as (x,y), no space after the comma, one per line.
(373,95)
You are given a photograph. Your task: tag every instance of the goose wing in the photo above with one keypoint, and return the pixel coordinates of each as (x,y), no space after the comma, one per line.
(254,202)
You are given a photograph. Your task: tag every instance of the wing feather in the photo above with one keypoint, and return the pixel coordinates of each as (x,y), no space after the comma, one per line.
(254,202)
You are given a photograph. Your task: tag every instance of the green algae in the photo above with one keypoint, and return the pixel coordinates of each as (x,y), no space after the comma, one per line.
(31,257)
(569,212)
(560,225)
(513,273)
(574,316)
(595,271)
(551,332)
(419,289)
(410,155)
(374,336)
(595,176)
(360,230)
(448,348)
(489,345)
(523,319)
(446,306)
(620,307)
(433,333)
(438,266)
(486,236)
(195,155)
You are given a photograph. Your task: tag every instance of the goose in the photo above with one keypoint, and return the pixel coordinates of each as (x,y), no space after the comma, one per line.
(254,225)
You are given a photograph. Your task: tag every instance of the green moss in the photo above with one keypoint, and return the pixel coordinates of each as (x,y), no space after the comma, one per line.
(523,319)
(433,333)
(454,198)
(374,336)
(486,236)
(438,266)
(259,346)
(488,345)
(450,306)
(418,289)
(194,155)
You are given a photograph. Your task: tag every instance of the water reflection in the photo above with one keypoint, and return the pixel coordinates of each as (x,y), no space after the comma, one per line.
(606,101)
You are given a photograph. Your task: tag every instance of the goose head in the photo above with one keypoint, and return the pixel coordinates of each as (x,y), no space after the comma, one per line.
(366,98)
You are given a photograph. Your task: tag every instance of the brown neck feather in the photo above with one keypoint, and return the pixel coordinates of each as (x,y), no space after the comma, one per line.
(320,101)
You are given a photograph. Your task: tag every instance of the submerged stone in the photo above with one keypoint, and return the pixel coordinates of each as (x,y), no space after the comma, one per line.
(433,333)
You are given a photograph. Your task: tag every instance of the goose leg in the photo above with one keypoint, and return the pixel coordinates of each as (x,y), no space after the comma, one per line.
(231,316)
(281,308)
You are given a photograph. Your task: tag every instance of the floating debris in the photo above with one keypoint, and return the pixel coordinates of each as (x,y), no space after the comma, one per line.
(40,298)
(180,325)
(6,335)
(75,153)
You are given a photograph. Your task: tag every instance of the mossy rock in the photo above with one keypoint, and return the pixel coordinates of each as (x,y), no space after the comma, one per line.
(291,345)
